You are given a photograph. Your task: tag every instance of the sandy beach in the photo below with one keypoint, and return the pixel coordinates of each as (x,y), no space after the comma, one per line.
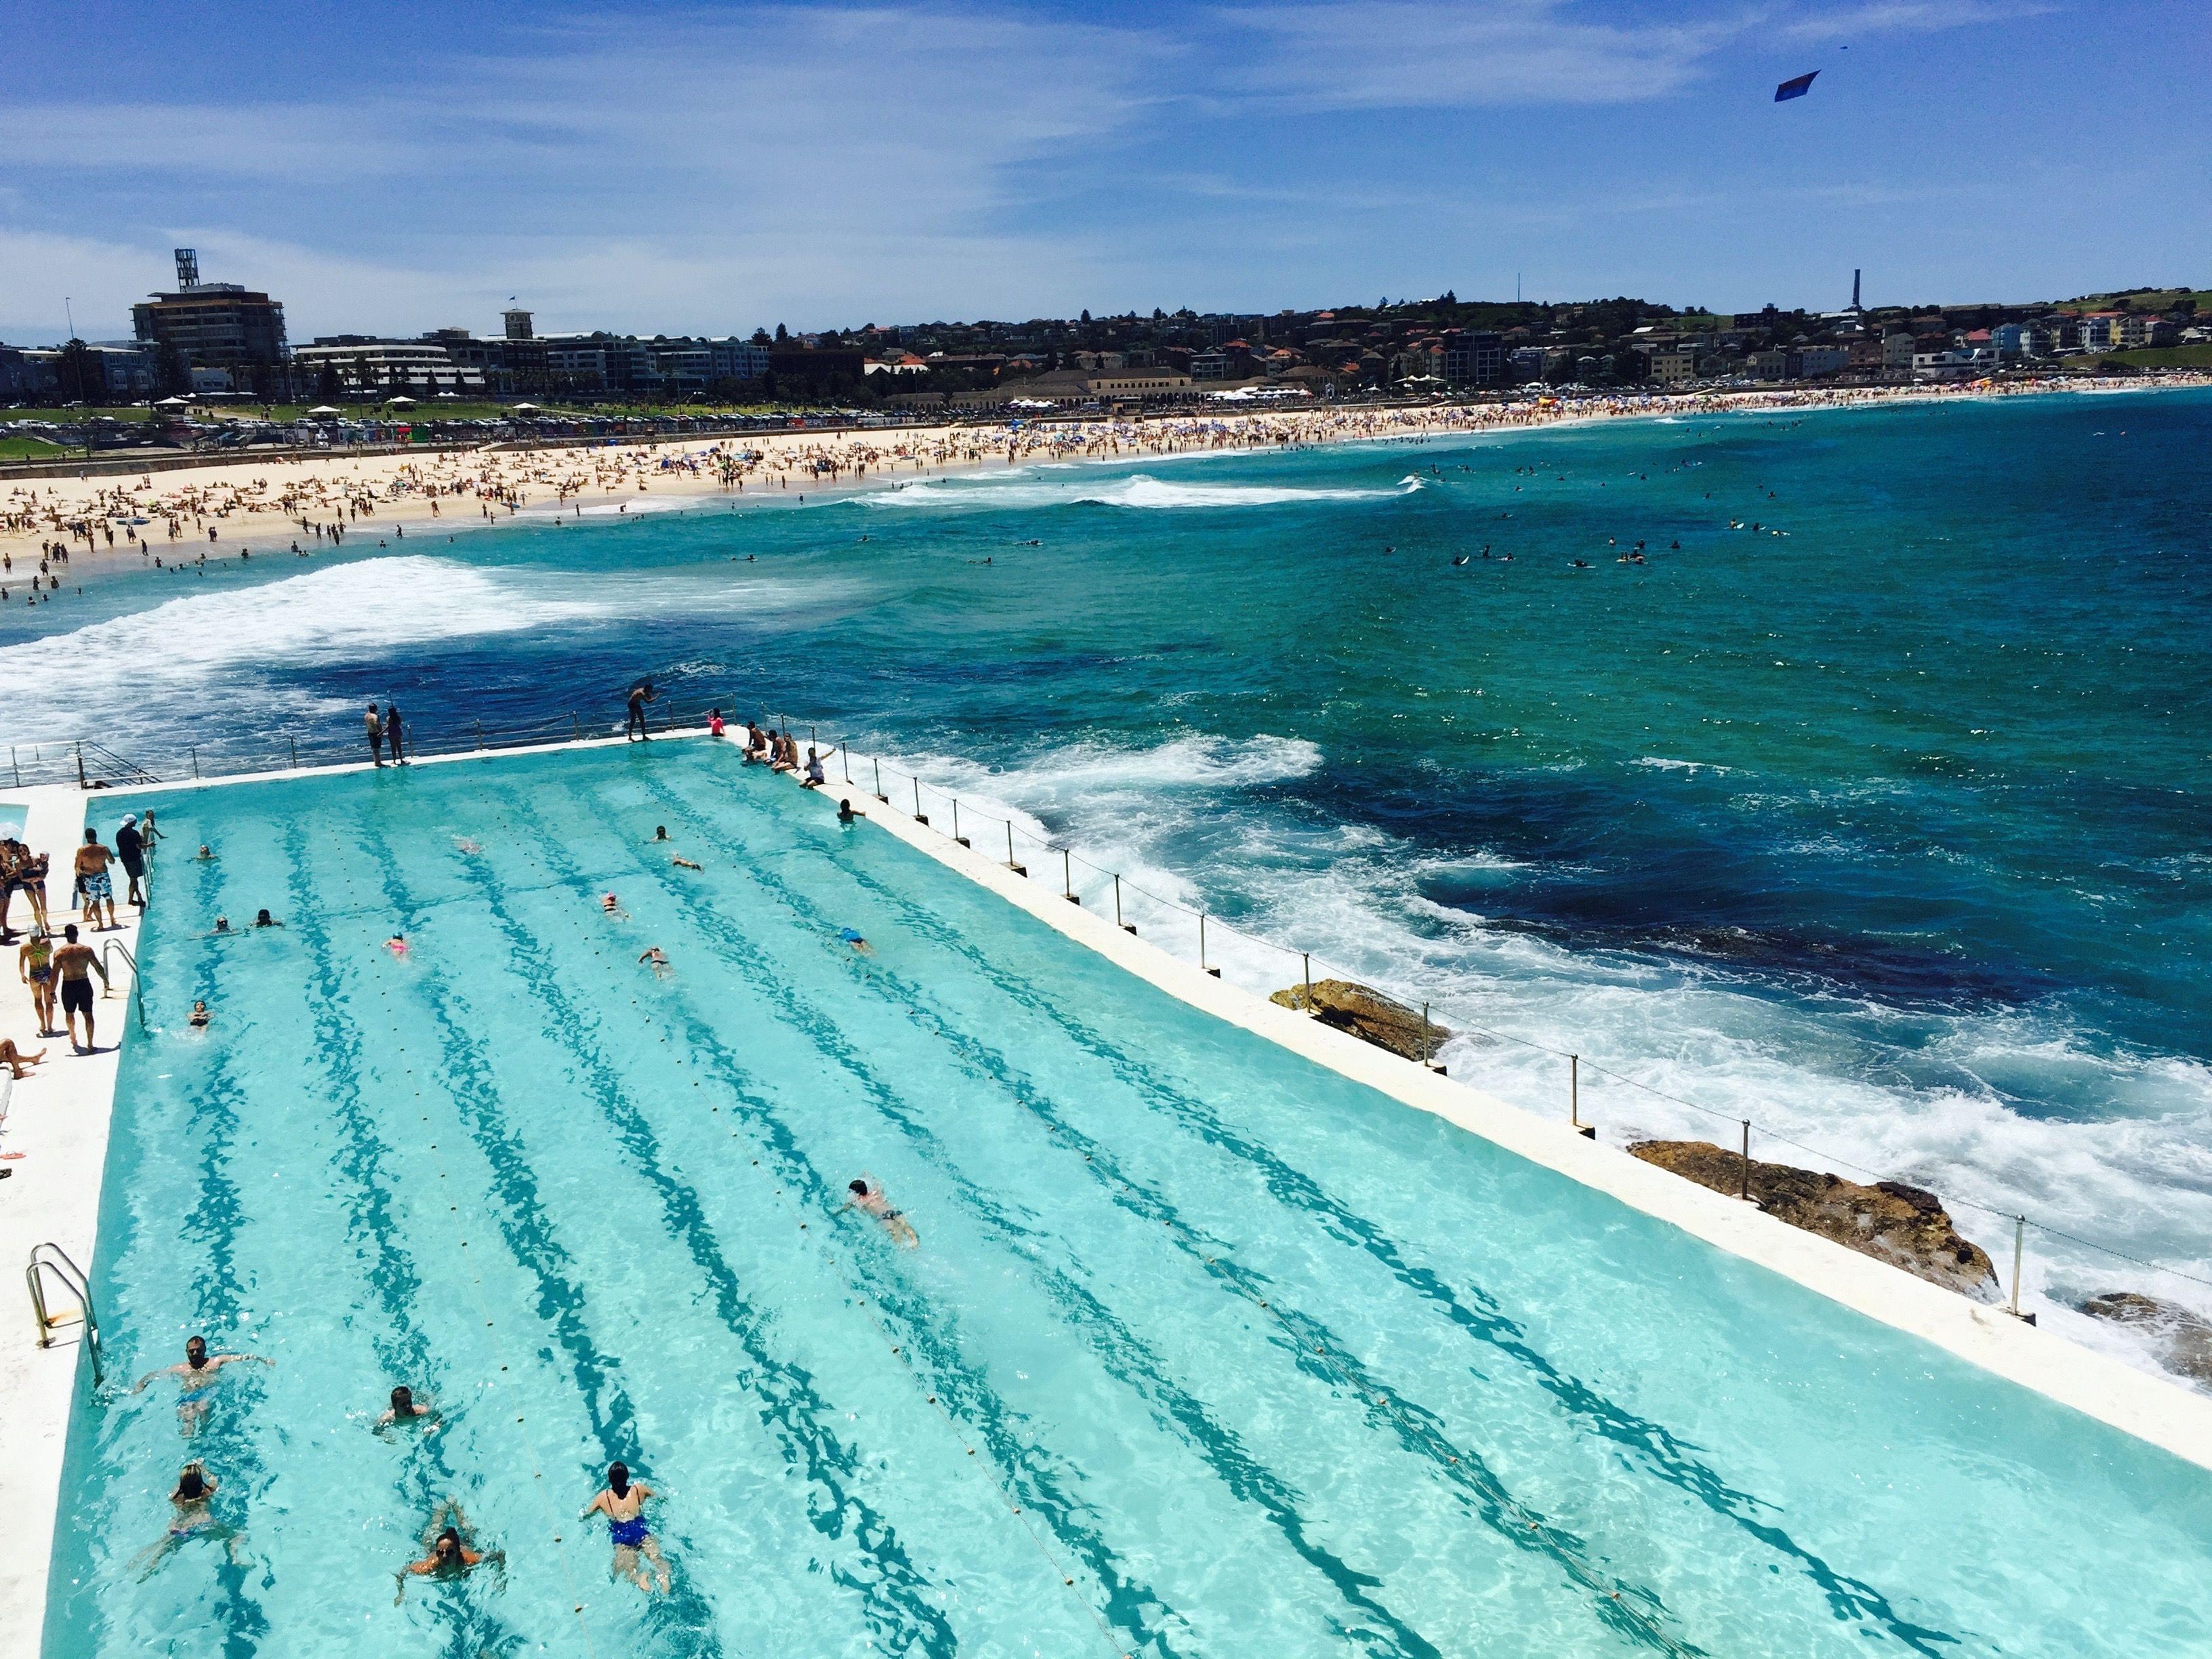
(300,508)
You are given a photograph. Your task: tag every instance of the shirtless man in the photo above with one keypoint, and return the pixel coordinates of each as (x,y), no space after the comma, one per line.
(197,1377)
(74,966)
(622,1502)
(92,877)
(657,959)
(868,1199)
(405,1408)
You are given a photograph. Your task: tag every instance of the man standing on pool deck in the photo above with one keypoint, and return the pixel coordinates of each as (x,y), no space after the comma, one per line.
(131,853)
(622,1503)
(640,694)
(197,1375)
(373,725)
(92,880)
(73,965)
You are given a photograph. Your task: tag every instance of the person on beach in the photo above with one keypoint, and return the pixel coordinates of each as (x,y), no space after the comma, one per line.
(74,966)
(406,1409)
(867,1197)
(640,694)
(35,965)
(191,1516)
(451,1555)
(93,880)
(196,1380)
(372,725)
(622,1500)
(392,735)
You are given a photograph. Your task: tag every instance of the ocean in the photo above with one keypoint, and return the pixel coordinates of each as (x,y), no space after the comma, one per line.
(1871,806)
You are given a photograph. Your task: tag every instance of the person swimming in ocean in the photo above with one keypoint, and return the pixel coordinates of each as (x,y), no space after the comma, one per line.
(191,1516)
(451,1554)
(197,1378)
(622,1500)
(868,1198)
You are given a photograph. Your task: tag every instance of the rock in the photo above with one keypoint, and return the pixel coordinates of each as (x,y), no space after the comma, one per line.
(2183,1338)
(1367,1014)
(1906,1226)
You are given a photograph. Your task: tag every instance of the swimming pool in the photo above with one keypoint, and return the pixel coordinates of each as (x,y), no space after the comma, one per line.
(1205,1348)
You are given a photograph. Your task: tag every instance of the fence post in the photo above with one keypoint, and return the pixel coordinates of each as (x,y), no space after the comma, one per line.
(880,796)
(479,733)
(196,760)
(1125,927)
(1067,876)
(295,744)
(845,761)
(80,766)
(956,836)
(1746,1193)
(919,816)
(2019,1248)
(1308,957)
(1215,972)
(16,765)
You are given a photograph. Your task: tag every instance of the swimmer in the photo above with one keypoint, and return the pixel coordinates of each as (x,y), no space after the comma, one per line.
(406,1408)
(222,924)
(845,812)
(660,832)
(869,1199)
(204,854)
(197,1378)
(612,906)
(463,844)
(200,1015)
(622,1502)
(450,1555)
(657,959)
(852,937)
(190,1517)
(682,863)
(263,919)
(397,945)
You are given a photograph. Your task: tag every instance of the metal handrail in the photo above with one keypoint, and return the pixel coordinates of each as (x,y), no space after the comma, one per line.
(51,1258)
(107,985)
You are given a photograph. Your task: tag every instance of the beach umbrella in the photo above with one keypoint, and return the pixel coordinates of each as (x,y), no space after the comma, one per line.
(399,403)
(173,402)
(322,412)
(526,409)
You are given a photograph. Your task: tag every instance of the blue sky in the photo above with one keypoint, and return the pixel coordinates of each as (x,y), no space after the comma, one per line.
(713,168)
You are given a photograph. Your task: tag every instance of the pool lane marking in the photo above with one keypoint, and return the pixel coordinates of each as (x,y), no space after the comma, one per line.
(1847,1596)
(369,1150)
(1463,1468)
(526,945)
(456,1055)
(1131,1363)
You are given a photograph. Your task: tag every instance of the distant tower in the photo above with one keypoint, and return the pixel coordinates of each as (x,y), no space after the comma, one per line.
(1854,288)
(188,268)
(517,324)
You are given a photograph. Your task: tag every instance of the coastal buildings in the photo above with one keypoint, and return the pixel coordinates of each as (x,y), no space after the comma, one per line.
(222,327)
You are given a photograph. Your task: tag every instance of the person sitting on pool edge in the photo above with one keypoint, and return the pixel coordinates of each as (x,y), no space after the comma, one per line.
(622,1502)
(814,779)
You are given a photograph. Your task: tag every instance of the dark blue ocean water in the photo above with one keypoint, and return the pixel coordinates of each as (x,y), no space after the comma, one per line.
(1883,823)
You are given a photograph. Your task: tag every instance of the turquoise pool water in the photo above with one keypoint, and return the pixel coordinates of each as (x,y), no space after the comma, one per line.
(1204,1350)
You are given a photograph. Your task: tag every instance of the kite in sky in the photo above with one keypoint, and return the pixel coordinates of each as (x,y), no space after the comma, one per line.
(1795,87)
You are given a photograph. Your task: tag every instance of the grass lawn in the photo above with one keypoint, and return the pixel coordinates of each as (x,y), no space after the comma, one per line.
(2181,356)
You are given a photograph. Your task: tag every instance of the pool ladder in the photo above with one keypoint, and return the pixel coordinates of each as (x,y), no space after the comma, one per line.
(52,1259)
(107,987)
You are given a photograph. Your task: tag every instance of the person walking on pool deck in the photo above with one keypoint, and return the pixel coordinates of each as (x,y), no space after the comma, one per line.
(622,1502)
(92,880)
(197,1377)
(74,966)
(392,734)
(34,964)
(372,724)
(130,854)
(640,696)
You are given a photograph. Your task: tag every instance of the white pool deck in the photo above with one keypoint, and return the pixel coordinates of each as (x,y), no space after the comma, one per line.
(60,1116)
